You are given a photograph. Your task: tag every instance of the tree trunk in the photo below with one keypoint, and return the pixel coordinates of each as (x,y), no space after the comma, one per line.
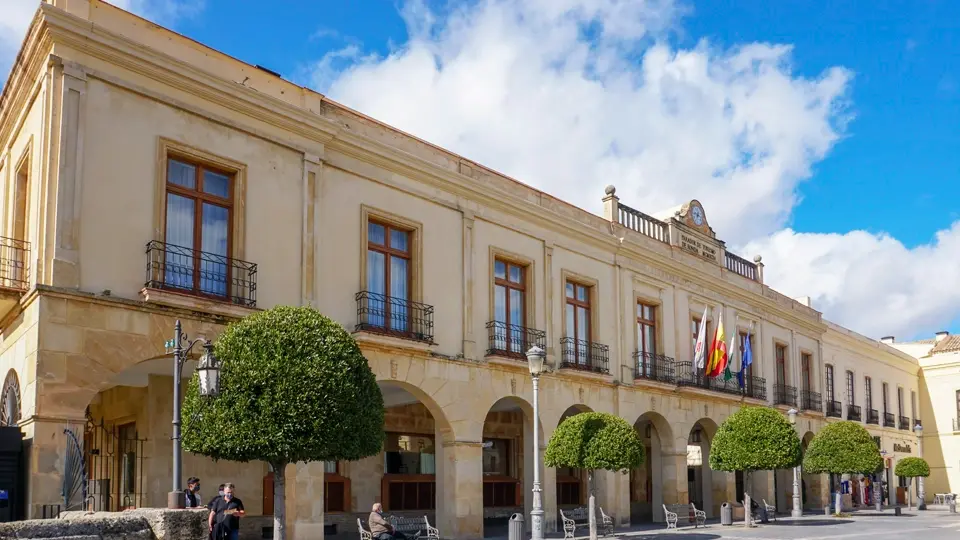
(592,506)
(279,501)
(747,510)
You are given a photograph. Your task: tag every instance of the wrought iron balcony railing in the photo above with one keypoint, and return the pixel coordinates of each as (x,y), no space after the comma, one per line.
(199,273)
(854,413)
(398,317)
(654,367)
(689,375)
(755,387)
(512,340)
(905,423)
(873,416)
(810,401)
(14,259)
(584,355)
(784,394)
(834,409)
(889,420)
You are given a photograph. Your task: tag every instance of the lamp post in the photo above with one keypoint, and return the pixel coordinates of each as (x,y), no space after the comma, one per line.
(797,508)
(918,429)
(536,359)
(209,373)
(878,483)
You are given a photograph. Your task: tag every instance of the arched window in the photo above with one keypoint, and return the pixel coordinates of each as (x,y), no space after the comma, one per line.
(10,400)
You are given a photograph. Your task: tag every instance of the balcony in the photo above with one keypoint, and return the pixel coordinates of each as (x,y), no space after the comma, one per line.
(14,275)
(889,420)
(905,423)
(396,317)
(834,409)
(584,355)
(654,367)
(513,341)
(741,266)
(810,401)
(688,375)
(873,417)
(756,388)
(198,273)
(854,413)
(784,394)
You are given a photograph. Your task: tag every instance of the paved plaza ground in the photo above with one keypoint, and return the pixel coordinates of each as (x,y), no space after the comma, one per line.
(929,525)
(934,524)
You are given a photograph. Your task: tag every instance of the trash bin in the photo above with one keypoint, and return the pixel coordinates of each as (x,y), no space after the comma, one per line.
(516,531)
(726,514)
(896,511)
(953,506)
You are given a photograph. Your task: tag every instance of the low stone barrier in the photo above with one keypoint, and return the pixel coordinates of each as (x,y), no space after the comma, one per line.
(139,524)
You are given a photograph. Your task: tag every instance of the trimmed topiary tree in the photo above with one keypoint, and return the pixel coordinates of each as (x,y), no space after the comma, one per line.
(842,448)
(912,467)
(594,441)
(754,439)
(294,387)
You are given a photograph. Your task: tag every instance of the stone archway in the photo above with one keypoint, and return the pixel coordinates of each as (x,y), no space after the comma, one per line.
(705,487)
(571,484)
(650,485)
(507,456)
(10,406)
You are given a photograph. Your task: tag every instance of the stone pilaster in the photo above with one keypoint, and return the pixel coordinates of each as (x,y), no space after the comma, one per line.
(549,498)
(305,500)
(675,478)
(460,490)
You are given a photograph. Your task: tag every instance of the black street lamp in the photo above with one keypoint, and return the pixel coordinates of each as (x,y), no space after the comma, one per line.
(209,372)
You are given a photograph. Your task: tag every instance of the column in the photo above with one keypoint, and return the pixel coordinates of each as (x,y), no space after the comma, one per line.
(469,342)
(460,490)
(674,478)
(549,479)
(304,486)
(311,240)
(65,179)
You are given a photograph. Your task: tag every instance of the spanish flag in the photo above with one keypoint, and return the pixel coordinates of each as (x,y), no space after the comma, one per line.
(718,351)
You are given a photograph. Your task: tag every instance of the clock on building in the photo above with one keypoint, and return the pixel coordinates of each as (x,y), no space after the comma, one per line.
(697,213)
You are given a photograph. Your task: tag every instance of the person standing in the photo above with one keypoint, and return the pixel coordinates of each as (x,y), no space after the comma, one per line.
(192,493)
(224,520)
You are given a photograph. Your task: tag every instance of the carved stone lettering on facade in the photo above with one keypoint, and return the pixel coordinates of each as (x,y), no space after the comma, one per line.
(700,248)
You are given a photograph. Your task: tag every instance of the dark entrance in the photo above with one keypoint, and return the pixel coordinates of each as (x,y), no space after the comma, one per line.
(11,474)
(114,465)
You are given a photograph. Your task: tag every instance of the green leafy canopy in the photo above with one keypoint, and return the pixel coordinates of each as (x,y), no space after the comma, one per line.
(595,441)
(755,439)
(912,467)
(294,387)
(842,448)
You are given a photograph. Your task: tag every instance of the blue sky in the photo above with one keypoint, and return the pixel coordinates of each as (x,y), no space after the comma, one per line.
(901,152)
(823,136)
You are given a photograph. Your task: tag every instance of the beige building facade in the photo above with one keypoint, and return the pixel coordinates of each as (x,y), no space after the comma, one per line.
(939,359)
(149,179)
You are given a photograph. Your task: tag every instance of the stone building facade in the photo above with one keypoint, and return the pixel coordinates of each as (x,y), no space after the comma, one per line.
(149,179)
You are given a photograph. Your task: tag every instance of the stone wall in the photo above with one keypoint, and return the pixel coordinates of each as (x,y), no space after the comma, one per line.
(142,524)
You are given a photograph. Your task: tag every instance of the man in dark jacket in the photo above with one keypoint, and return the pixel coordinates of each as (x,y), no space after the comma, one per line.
(224,520)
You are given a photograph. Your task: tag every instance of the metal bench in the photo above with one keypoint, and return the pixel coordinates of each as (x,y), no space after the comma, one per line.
(578,517)
(689,511)
(364,534)
(771,510)
(606,523)
(414,527)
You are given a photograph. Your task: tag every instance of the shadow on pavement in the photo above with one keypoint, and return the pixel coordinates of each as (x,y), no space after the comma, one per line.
(884,514)
(811,522)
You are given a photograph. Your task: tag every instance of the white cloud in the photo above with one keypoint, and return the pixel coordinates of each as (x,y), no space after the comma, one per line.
(571,95)
(870,281)
(16,15)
